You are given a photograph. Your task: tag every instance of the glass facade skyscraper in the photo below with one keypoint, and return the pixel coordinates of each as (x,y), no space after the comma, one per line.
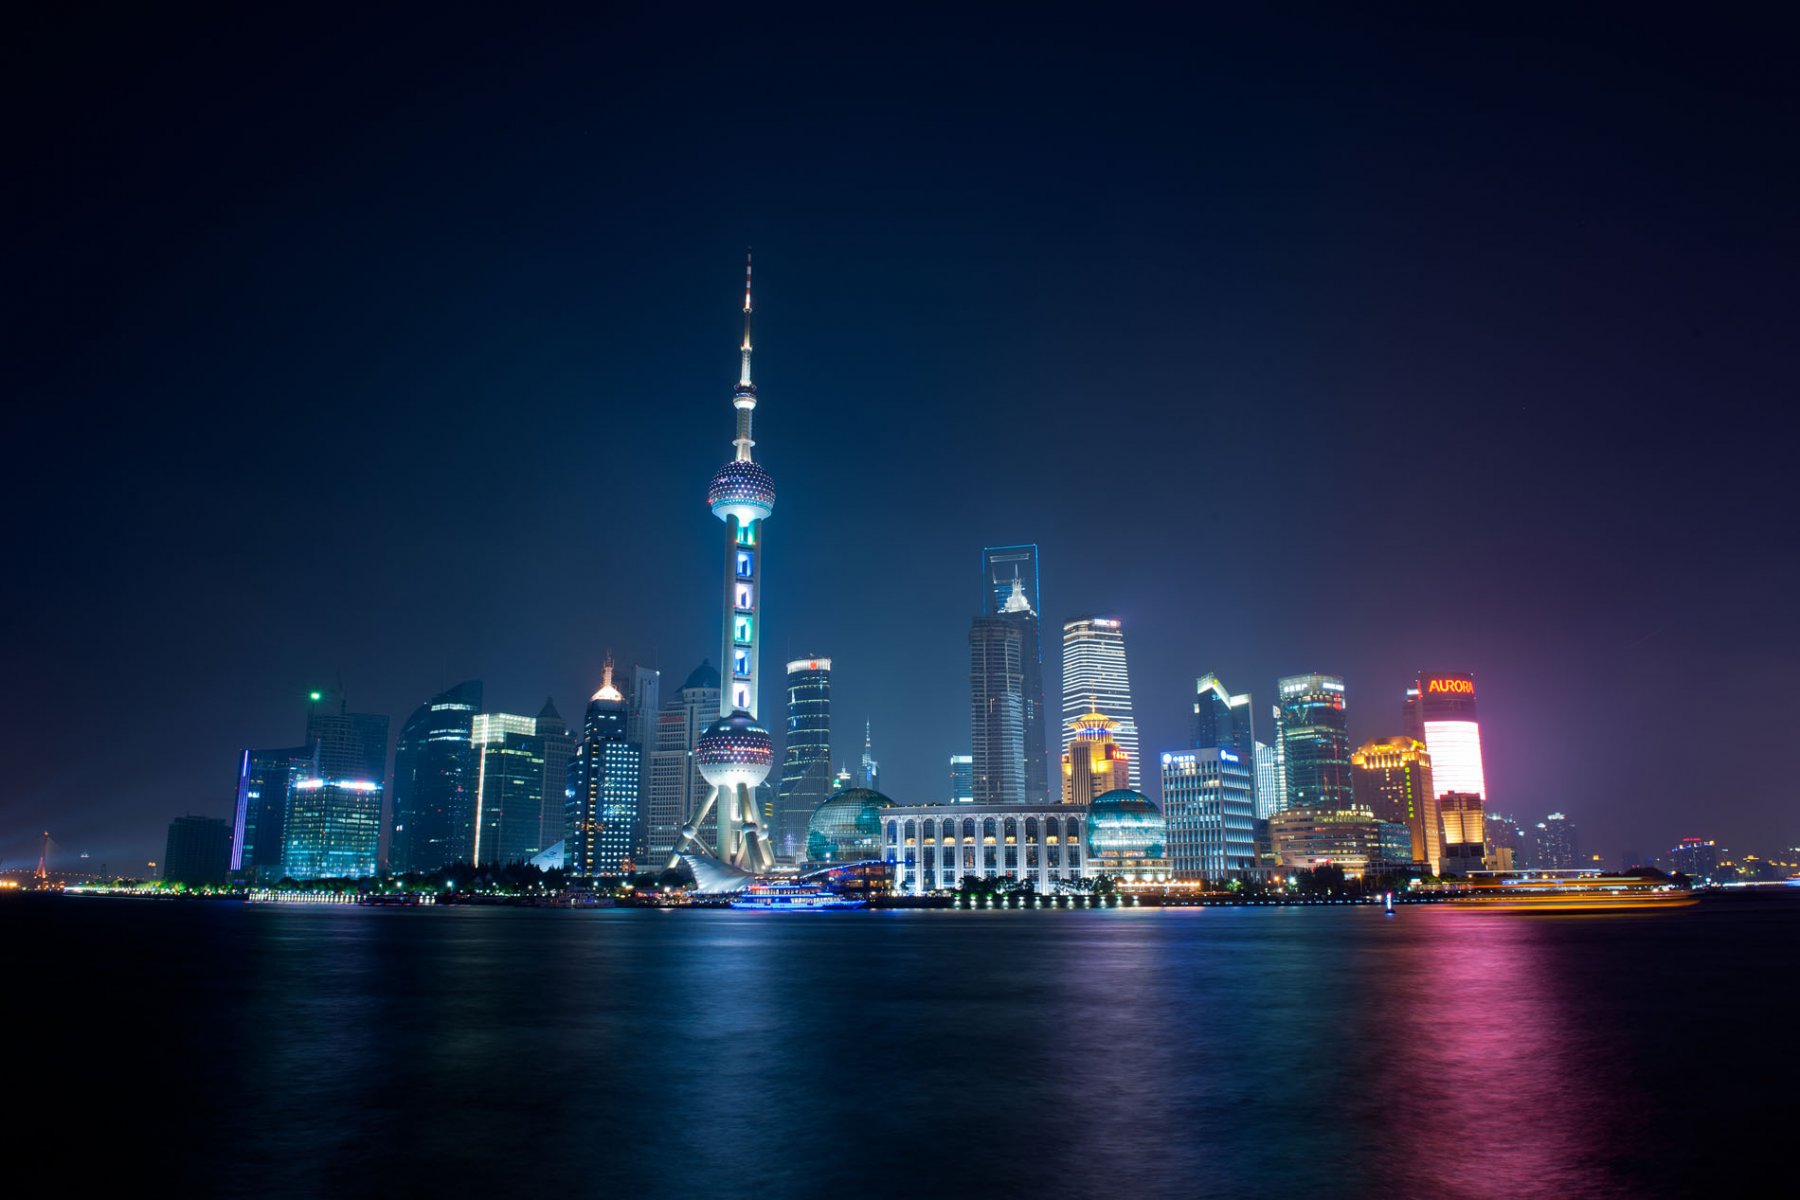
(1095,679)
(1315,742)
(806,756)
(997,710)
(522,769)
(1010,591)
(434,782)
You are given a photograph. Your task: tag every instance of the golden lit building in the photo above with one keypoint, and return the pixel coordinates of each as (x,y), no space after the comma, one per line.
(1392,779)
(1464,836)
(1094,763)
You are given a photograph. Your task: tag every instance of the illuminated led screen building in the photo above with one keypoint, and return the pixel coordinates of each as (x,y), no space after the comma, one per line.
(735,754)
(1440,711)
(1095,679)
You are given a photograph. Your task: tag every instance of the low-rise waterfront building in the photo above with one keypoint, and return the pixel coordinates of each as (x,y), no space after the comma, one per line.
(933,847)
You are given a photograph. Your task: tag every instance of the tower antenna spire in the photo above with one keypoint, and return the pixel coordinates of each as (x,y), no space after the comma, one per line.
(744,377)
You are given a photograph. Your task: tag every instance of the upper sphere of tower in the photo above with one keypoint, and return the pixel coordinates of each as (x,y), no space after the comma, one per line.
(742,490)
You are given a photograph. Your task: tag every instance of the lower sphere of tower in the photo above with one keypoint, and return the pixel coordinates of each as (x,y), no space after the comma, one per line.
(734,750)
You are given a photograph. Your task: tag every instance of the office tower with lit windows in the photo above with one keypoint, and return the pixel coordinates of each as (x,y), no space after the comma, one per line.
(1392,779)
(1439,710)
(1010,592)
(735,753)
(1095,679)
(333,822)
(434,782)
(997,710)
(198,851)
(1094,763)
(1315,742)
(806,755)
(962,779)
(677,788)
(1508,849)
(1209,802)
(1697,858)
(602,817)
(1465,834)
(265,782)
(1557,846)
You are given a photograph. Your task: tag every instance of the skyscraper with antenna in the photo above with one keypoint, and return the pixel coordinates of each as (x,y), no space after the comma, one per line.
(736,753)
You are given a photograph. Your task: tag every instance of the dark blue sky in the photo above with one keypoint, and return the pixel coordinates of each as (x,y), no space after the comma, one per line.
(402,347)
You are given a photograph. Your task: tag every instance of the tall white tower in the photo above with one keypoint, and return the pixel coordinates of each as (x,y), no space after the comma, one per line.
(735,753)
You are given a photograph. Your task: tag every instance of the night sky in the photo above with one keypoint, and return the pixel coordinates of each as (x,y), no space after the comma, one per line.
(401,348)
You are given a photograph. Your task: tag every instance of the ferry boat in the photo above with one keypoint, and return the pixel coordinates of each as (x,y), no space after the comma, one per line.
(1577,892)
(792,897)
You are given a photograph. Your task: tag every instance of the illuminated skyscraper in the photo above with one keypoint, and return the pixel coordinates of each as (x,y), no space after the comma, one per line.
(736,753)
(1392,779)
(333,821)
(1208,800)
(1315,742)
(602,817)
(997,710)
(1094,763)
(434,783)
(806,757)
(1440,711)
(1095,679)
(509,788)
(1010,592)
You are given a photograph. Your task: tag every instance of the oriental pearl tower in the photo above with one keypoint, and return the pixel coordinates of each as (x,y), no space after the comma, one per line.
(735,752)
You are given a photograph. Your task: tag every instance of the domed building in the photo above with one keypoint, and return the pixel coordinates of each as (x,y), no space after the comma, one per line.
(1127,836)
(847,827)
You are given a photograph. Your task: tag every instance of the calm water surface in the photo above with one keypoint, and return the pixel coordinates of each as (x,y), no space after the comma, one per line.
(275,1051)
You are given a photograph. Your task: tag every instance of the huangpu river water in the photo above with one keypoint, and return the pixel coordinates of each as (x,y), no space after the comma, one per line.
(221,1049)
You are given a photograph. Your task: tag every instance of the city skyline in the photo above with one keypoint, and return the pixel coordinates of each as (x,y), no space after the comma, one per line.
(1292,307)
